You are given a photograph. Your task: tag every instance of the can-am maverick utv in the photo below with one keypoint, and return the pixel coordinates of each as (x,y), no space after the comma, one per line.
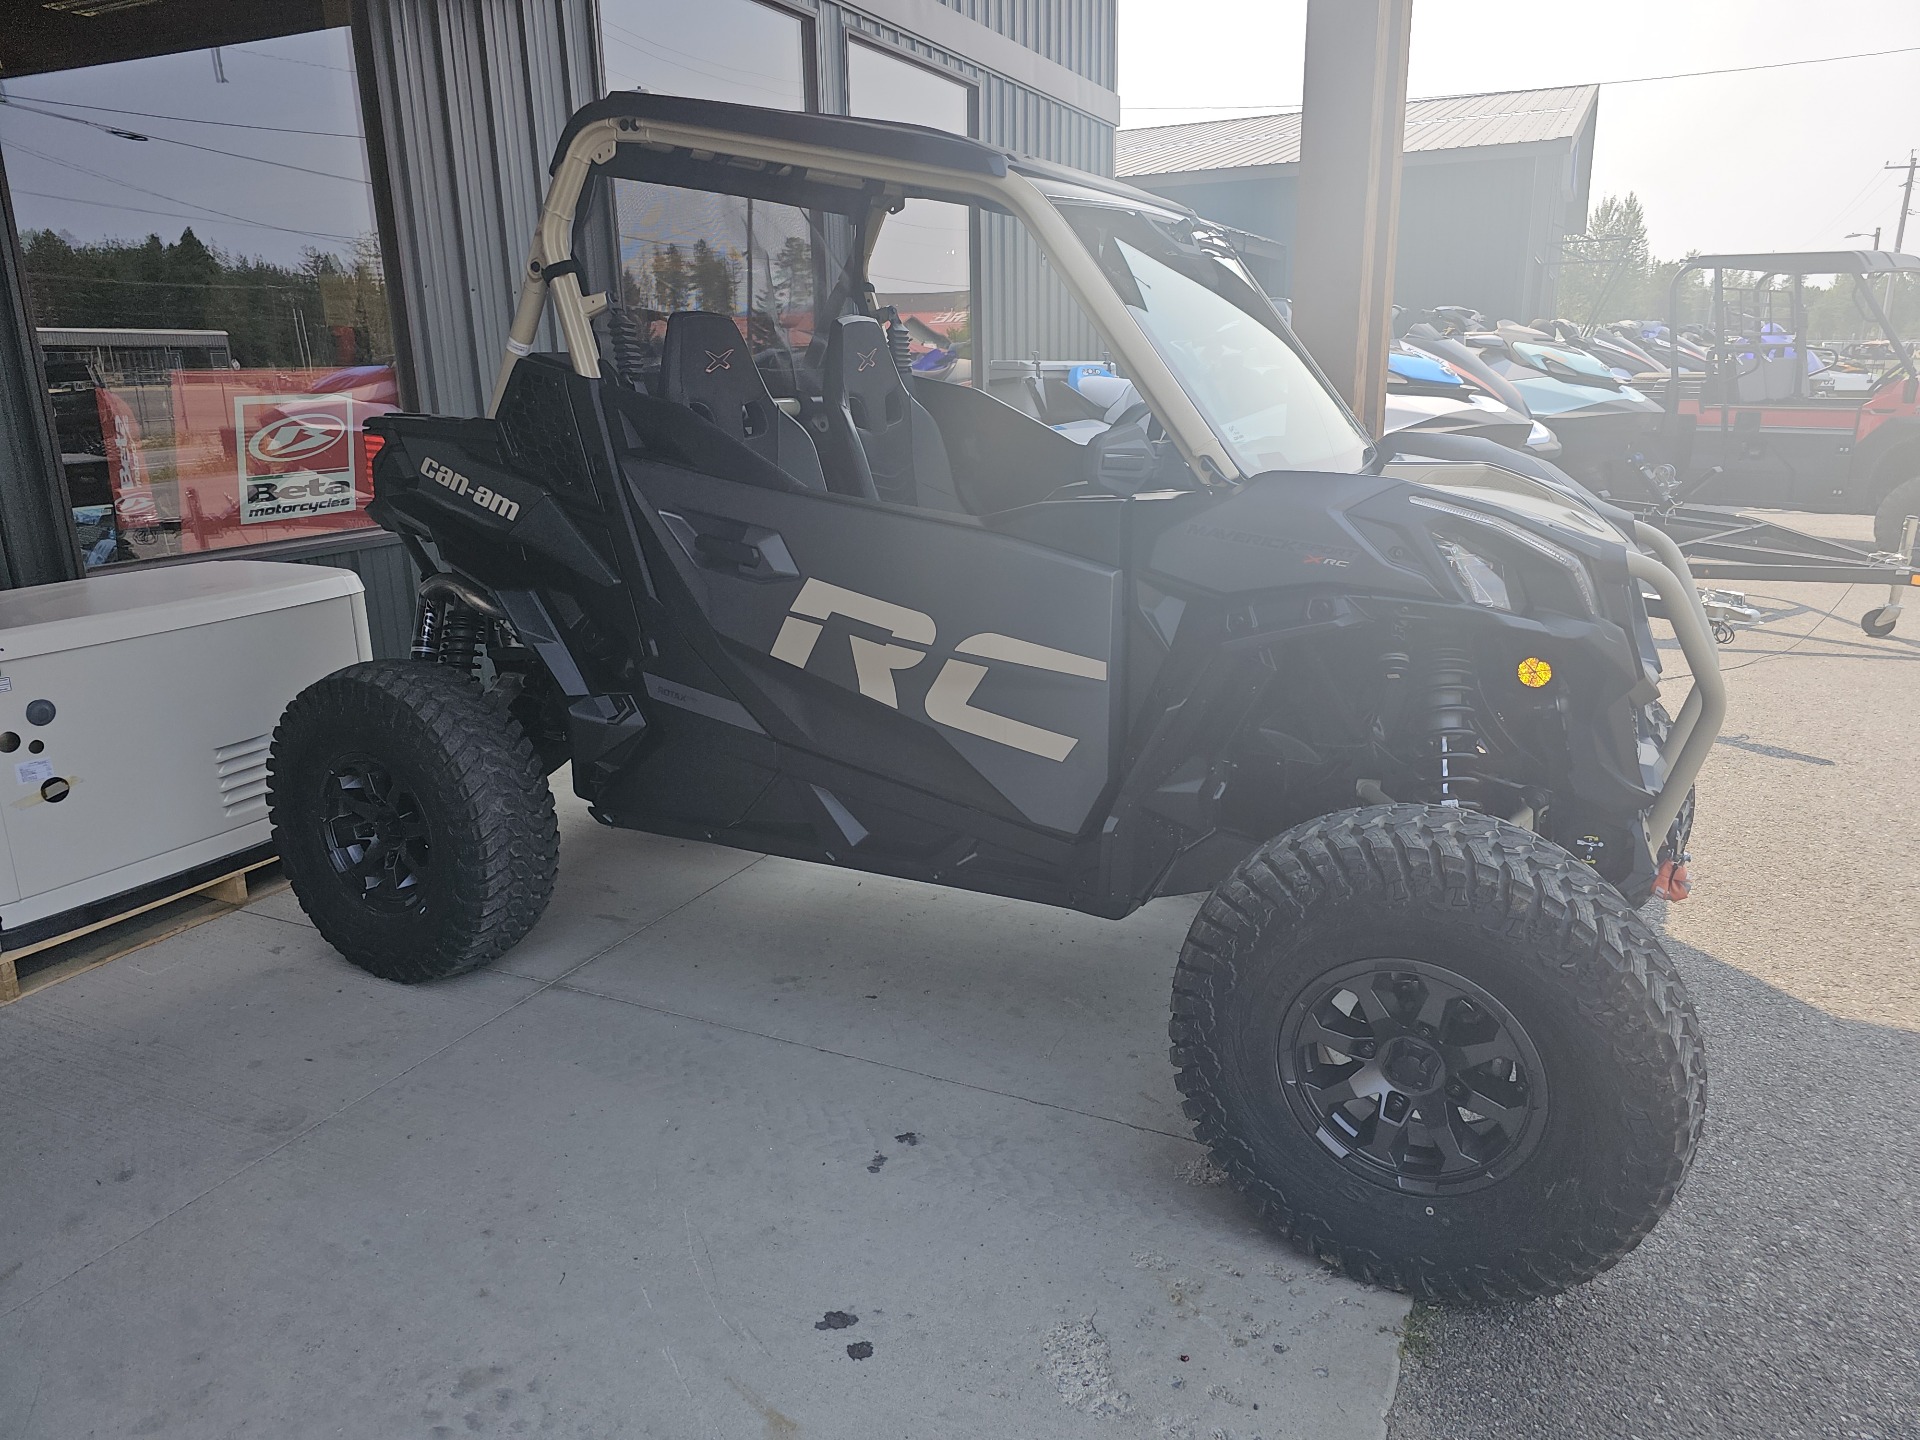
(759,588)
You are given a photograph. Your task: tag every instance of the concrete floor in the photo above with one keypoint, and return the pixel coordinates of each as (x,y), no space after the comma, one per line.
(613,1186)
(1778,1299)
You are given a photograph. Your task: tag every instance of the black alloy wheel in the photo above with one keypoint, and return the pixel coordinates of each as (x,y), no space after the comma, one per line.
(376,834)
(1413,1077)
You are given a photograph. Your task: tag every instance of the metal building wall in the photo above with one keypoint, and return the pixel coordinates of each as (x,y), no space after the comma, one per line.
(1021,309)
(1079,34)
(472,97)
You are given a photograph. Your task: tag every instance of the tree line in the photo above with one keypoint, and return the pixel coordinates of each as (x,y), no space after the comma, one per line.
(326,311)
(1610,273)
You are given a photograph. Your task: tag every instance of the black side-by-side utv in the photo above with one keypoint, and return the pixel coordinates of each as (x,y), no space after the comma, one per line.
(758,581)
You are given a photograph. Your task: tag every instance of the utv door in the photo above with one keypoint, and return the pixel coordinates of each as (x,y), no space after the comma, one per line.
(922,649)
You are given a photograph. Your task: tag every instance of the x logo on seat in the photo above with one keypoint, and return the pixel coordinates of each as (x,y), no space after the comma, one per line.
(869,358)
(721,361)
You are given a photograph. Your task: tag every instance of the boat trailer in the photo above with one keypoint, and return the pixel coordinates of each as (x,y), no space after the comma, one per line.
(1722,543)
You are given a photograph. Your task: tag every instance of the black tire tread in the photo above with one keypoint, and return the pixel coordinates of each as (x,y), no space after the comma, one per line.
(1621,979)
(507,843)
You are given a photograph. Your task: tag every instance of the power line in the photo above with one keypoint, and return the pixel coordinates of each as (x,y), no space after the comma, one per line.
(186,144)
(288,59)
(185,119)
(176,215)
(158,195)
(1628,80)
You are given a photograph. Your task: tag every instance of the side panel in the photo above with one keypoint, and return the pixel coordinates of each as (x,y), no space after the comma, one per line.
(968,658)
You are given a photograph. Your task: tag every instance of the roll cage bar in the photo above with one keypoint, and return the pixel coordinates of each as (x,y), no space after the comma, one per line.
(720,139)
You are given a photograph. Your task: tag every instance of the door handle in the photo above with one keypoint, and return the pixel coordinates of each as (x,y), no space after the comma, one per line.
(731,547)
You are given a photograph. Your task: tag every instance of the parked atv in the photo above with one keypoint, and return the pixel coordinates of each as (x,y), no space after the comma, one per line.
(1397,713)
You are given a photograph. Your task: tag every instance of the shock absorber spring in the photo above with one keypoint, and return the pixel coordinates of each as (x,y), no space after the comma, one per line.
(1452,750)
(462,632)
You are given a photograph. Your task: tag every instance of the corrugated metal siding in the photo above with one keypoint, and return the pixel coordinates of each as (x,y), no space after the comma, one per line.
(472,98)
(1022,309)
(1079,34)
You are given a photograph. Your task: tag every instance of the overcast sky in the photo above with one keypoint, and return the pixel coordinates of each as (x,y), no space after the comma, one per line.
(266,161)
(1771,160)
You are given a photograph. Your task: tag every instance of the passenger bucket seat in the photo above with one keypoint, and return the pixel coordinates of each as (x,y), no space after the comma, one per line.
(707,367)
(878,437)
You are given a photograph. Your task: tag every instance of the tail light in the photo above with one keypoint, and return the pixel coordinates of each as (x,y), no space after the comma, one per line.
(370,446)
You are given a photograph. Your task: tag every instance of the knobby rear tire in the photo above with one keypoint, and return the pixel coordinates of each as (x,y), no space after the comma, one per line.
(488,813)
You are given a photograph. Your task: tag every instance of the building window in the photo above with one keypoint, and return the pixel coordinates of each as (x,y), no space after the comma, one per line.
(922,265)
(736,50)
(197,235)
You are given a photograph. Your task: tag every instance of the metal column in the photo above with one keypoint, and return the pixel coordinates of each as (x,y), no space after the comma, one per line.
(1351,127)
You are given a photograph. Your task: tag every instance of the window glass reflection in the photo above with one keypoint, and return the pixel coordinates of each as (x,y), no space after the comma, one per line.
(198,238)
(732,50)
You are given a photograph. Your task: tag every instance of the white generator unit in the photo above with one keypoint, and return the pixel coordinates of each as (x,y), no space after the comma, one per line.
(136,710)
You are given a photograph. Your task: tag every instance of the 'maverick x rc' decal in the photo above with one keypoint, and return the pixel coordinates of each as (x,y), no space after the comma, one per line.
(950,697)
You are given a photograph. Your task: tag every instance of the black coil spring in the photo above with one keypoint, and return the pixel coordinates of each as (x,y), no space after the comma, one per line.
(632,355)
(462,632)
(1451,749)
(899,343)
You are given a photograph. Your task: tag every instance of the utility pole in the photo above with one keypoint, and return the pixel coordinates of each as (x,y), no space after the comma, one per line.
(1906,198)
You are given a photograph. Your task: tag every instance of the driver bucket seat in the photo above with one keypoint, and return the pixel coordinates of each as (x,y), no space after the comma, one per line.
(707,367)
(878,437)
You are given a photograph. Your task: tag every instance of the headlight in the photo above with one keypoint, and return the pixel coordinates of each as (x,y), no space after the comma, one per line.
(1478,576)
(1570,564)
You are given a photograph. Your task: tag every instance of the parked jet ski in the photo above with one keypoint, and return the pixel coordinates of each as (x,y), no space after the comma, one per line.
(1601,421)
(1426,392)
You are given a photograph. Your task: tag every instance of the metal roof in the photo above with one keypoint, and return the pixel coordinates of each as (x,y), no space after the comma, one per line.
(1811,262)
(1449,122)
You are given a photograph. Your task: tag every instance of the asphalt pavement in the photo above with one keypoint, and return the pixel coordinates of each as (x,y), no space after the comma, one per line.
(1778,1298)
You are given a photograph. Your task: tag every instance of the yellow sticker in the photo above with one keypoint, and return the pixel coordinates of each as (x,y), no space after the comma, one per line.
(1535,672)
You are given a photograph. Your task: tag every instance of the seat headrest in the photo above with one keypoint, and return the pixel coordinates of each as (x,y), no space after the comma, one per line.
(707,366)
(861,371)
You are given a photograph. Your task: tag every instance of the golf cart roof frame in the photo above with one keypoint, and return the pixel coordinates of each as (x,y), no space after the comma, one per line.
(1799,264)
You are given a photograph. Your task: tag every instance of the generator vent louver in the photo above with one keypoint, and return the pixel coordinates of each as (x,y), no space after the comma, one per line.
(242,770)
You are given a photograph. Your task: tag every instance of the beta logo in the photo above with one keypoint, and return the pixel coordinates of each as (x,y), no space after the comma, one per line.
(295,456)
(295,438)
(950,698)
(481,495)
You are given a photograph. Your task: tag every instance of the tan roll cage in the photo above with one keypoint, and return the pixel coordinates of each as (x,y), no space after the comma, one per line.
(596,143)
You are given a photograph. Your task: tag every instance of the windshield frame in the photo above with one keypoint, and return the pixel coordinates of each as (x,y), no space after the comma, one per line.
(1251,300)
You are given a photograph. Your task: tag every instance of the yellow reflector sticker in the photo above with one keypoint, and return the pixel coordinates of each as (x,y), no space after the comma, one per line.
(1535,672)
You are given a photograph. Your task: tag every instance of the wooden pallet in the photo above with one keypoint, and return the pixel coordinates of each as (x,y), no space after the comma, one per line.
(86,946)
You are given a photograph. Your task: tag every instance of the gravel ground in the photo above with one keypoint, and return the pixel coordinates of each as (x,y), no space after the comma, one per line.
(1778,1297)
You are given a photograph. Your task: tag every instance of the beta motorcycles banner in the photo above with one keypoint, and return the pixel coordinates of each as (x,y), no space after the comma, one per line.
(295,455)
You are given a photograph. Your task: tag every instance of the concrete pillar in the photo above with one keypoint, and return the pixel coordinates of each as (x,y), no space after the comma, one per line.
(1354,117)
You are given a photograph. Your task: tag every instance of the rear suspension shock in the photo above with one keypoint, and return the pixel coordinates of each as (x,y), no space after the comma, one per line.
(1451,747)
(463,631)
